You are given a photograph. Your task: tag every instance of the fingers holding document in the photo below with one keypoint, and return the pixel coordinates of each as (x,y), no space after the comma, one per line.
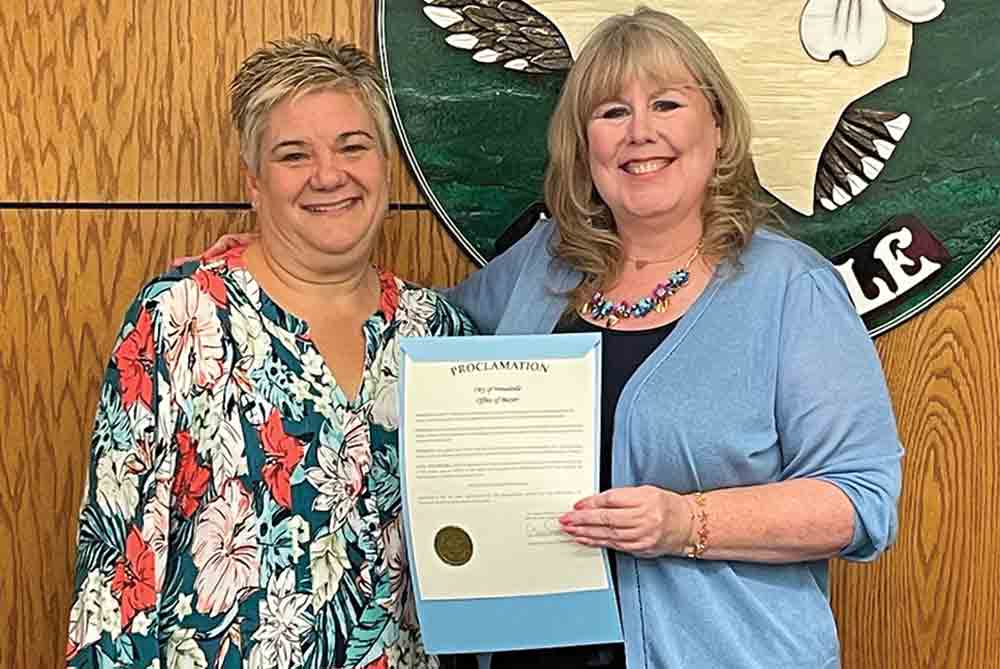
(645,521)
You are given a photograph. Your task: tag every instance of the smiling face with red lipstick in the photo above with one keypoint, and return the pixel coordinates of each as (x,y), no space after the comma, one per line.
(321,185)
(652,150)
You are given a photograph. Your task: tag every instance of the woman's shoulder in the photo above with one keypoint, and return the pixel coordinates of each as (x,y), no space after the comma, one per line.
(776,267)
(405,300)
(184,287)
(538,240)
(774,253)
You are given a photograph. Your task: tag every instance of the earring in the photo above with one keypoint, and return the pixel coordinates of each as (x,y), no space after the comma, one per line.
(246,216)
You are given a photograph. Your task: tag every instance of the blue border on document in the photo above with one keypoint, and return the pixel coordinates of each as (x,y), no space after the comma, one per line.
(486,624)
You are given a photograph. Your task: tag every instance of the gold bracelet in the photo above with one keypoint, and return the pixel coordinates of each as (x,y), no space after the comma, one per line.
(700,516)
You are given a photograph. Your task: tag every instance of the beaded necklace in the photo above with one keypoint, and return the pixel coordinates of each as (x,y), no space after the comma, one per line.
(602,309)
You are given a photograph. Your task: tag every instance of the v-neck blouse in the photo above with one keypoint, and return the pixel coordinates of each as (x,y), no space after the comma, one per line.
(240,511)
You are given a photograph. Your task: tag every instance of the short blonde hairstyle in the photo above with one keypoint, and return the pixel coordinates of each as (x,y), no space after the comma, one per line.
(654,45)
(297,66)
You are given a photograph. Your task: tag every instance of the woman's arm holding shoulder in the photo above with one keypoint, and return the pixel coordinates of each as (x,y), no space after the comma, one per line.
(485,293)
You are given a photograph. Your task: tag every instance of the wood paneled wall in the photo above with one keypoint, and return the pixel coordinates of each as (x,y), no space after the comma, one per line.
(124,101)
(934,599)
(127,100)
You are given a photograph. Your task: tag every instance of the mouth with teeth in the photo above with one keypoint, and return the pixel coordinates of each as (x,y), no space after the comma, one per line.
(639,167)
(331,207)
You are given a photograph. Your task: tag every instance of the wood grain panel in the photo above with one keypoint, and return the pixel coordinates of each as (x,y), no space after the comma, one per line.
(417,247)
(127,101)
(932,600)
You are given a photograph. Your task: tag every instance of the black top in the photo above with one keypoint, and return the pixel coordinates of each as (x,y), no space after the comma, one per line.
(622,351)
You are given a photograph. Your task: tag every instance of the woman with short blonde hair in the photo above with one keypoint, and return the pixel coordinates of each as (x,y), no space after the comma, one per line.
(296,66)
(243,504)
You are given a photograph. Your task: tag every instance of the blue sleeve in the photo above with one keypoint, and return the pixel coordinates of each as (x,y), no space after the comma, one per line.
(834,417)
(484,294)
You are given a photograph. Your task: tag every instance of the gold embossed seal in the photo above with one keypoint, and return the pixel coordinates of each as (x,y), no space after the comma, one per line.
(453,545)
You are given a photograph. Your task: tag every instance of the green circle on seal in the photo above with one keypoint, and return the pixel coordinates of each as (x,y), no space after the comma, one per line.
(453,545)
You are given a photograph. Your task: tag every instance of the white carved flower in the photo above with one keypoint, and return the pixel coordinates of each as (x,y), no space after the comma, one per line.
(857,28)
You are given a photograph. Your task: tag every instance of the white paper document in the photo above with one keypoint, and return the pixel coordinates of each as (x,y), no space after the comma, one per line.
(495,450)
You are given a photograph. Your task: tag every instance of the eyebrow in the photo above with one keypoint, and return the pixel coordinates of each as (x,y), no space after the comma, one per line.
(685,87)
(341,138)
(344,136)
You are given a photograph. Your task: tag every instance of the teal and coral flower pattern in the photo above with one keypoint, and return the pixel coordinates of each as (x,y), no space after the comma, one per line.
(240,510)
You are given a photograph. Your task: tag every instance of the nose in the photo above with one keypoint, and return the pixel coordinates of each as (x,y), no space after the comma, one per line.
(327,173)
(640,127)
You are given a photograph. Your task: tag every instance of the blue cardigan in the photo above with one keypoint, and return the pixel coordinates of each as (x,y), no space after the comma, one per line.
(769,376)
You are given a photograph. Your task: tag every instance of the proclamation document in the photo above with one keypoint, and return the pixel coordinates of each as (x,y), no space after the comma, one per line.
(499,437)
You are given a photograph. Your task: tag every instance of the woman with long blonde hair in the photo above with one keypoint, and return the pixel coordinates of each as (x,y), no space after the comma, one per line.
(747,431)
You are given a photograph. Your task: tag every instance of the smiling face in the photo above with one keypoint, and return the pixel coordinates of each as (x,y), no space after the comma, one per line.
(652,151)
(794,100)
(322,182)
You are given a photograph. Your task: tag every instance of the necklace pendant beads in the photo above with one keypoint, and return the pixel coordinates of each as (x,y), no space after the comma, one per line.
(599,308)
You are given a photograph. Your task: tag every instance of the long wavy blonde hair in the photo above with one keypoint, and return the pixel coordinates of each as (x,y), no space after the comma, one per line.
(660,47)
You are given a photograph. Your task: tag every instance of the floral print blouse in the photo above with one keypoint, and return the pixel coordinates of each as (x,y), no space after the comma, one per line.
(240,511)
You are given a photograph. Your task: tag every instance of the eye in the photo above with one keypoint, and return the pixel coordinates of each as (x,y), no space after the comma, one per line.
(613,112)
(665,105)
(355,148)
(293,157)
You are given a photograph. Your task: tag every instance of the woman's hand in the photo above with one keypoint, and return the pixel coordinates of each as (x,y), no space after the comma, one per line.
(645,521)
(223,244)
